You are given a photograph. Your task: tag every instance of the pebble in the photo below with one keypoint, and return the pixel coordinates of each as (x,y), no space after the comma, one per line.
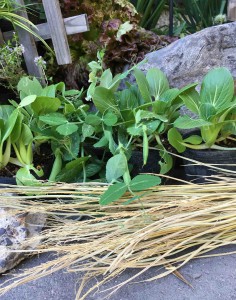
(3,263)
(14,230)
(197,275)
(2,231)
(8,242)
(16,223)
(24,231)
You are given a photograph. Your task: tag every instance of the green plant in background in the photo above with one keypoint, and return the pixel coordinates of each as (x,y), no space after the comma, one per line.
(11,63)
(7,12)
(215,107)
(199,14)
(7,8)
(150,12)
(113,27)
(11,52)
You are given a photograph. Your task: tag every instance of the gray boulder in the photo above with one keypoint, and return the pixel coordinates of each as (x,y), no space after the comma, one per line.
(15,230)
(190,58)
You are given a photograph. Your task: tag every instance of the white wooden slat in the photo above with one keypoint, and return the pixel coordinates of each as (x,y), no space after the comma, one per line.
(57,31)
(76,24)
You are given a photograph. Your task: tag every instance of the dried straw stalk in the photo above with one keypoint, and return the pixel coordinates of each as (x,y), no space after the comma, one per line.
(166,228)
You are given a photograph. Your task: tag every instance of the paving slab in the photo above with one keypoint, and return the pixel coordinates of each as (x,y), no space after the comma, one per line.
(212,279)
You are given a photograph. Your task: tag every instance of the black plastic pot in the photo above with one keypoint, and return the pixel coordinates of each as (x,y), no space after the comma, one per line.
(219,158)
(8,180)
(152,165)
(6,94)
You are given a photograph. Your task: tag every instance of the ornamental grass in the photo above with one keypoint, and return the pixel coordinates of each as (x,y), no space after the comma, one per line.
(165,228)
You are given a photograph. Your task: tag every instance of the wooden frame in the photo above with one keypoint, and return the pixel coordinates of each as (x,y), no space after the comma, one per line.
(56,29)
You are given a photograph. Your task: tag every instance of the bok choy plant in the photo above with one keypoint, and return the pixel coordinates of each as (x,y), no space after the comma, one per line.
(215,108)
(137,117)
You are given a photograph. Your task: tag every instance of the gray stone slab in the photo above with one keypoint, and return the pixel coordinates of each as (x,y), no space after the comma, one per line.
(212,279)
(187,60)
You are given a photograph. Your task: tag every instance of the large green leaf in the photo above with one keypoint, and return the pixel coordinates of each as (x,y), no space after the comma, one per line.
(45,105)
(143,115)
(106,79)
(6,111)
(27,100)
(71,170)
(166,161)
(160,107)
(169,95)
(113,193)
(116,167)
(103,142)
(24,177)
(93,168)
(73,147)
(61,87)
(217,88)
(152,126)
(207,110)
(112,144)
(128,116)
(143,182)
(67,129)
(49,91)
(117,79)
(110,119)
(27,86)
(185,122)
(127,99)
(87,130)
(16,132)
(157,81)
(135,130)
(193,139)
(104,99)
(143,85)
(53,119)
(190,97)
(176,140)
(93,120)
(9,125)
(26,135)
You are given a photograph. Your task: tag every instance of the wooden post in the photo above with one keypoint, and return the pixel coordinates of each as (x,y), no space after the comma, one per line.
(57,31)
(28,42)
(231,15)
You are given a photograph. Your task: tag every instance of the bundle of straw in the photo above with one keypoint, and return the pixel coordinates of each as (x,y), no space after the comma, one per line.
(166,228)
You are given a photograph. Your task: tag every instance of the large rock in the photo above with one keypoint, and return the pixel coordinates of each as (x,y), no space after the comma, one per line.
(15,230)
(189,59)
